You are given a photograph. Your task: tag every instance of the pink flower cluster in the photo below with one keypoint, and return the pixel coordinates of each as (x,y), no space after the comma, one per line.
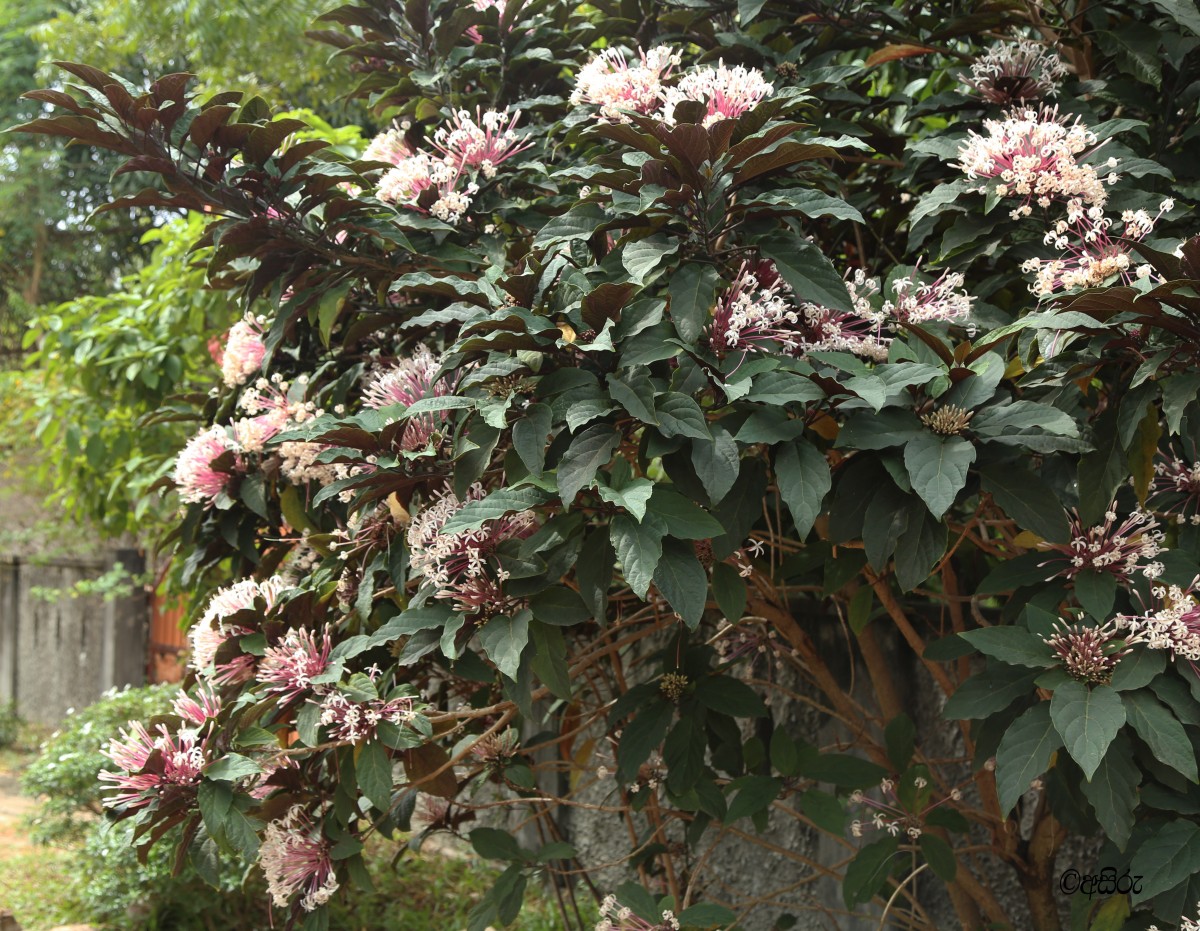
(215,627)
(1034,155)
(153,768)
(1089,256)
(1089,654)
(1016,71)
(196,475)
(465,147)
(613,84)
(1111,548)
(297,860)
(461,566)
(287,669)
(244,351)
(406,382)
(758,311)
(728,92)
(619,86)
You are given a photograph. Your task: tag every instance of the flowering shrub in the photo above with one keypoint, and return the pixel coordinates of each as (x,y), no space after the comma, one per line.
(648,376)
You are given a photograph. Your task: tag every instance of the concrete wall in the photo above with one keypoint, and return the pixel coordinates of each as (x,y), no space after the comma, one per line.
(64,652)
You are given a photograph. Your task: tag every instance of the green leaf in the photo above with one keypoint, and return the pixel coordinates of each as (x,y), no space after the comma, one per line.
(680,415)
(503,639)
(594,571)
(726,695)
(693,292)
(716,462)
(639,547)
(560,606)
(729,591)
(1088,719)
(495,844)
(704,915)
(993,690)
(373,769)
(683,754)
(529,436)
(632,496)
(1028,500)
(1096,592)
(682,580)
(500,502)
(810,273)
(919,549)
(747,10)
(682,517)
(641,259)
(900,738)
(588,451)
(804,480)
(938,468)
(890,427)
(1024,754)
(1169,856)
(640,736)
(555,850)
(1163,733)
(754,794)
(1011,644)
(231,767)
(868,871)
(635,393)
(549,661)
(940,856)
(1112,791)
(784,753)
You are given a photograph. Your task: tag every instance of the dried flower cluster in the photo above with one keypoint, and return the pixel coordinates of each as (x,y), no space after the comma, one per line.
(297,861)
(614,917)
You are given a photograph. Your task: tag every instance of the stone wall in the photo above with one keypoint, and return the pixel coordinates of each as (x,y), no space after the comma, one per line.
(62,652)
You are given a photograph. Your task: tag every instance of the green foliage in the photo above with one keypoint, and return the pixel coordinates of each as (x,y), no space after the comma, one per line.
(655,369)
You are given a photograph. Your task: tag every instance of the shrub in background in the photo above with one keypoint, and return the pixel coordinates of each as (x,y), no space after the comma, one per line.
(651,343)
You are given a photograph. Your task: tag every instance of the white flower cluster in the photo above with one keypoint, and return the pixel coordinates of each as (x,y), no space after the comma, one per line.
(1174,625)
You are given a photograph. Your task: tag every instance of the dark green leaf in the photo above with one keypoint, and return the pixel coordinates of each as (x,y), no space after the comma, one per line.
(682,580)
(588,451)
(1024,754)
(804,480)
(1088,719)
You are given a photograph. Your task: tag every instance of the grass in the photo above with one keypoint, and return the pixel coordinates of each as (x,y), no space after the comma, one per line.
(45,886)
